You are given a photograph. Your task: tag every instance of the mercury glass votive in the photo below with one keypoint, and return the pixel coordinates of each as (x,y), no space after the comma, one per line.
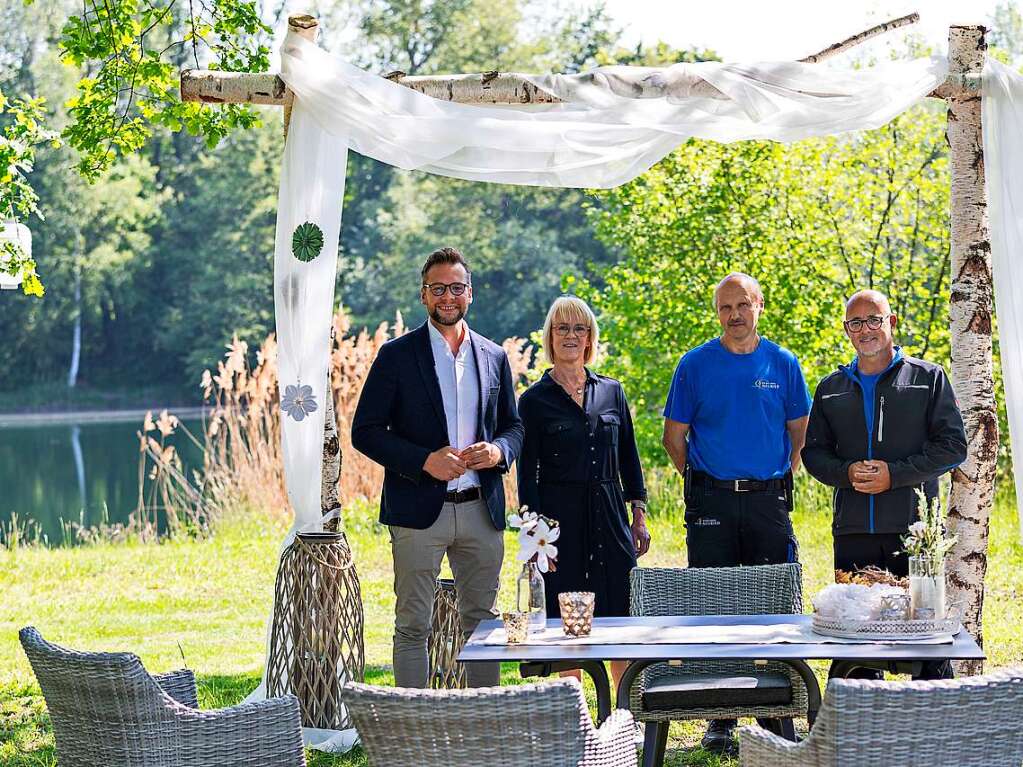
(895,607)
(516,627)
(576,612)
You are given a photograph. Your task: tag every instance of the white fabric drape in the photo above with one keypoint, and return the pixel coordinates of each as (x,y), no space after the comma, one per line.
(1002,118)
(607,138)
(618,123)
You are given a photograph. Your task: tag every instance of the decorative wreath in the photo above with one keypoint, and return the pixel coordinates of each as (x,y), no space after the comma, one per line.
(307,241)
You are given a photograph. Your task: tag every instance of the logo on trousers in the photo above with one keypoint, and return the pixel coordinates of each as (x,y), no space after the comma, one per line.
(706,522)
(763,383)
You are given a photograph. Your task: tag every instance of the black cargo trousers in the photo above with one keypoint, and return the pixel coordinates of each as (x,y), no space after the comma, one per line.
(727,528)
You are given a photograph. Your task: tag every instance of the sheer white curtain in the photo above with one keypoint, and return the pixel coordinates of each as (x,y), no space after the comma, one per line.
(1002,96)
(617,123)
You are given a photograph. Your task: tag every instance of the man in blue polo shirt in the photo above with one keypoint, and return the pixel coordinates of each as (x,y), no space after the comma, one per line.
(735,421)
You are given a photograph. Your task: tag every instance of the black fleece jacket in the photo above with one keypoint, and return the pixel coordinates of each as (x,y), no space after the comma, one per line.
(917,429)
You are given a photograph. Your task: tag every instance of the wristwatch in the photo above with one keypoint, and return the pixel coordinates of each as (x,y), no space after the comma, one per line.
(641,505)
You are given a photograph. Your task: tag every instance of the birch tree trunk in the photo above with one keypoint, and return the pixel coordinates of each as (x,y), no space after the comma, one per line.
(76,333)
(970,312)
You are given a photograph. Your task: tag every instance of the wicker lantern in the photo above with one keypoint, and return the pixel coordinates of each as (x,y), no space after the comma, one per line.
(316,638)
(446,638)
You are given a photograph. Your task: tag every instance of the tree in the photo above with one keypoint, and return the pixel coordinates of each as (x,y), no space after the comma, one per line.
(1006,33)
(813,221)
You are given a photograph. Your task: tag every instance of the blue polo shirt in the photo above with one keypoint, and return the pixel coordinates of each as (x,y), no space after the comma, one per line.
(737,406)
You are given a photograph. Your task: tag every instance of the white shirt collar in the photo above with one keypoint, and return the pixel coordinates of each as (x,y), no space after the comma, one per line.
(437,339)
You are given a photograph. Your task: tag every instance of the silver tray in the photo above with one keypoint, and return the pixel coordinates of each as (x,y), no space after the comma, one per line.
(881,631)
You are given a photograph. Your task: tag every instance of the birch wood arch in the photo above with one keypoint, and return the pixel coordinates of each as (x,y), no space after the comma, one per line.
(971,298)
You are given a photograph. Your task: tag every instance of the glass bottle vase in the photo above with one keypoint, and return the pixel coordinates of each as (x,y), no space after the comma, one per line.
(927,587)
(531,596)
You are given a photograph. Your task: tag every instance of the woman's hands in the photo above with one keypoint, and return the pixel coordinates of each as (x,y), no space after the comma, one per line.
(640,535)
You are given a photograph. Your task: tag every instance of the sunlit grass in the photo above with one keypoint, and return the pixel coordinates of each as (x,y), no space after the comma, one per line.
(204,604)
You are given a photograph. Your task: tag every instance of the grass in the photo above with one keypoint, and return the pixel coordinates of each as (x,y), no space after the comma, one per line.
(204,604)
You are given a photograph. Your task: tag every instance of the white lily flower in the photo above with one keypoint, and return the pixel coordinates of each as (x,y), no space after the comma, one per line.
(917,529)
(523,521)
(538,541)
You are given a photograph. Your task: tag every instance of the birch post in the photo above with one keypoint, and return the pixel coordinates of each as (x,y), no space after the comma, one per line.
(217,87)
(970,311)
(330,474)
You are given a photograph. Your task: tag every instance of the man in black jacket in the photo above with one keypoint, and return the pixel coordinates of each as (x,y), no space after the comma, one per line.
(438,412)
(880,429)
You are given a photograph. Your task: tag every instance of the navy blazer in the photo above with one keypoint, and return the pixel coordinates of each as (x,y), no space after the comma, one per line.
(400,420)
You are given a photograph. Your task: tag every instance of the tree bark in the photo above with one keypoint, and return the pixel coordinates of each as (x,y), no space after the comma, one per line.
(970,312)
(482,88)
(842,47)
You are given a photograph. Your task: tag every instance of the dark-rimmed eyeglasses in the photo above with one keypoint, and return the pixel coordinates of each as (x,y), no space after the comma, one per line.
(437,288)
(564,329)
(873,322)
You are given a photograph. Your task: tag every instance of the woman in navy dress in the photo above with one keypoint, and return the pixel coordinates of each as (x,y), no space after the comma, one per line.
(579,464)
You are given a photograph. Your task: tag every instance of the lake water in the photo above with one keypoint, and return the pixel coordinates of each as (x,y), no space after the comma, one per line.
(84,471)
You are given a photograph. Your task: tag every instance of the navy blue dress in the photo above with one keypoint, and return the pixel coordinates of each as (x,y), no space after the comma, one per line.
(578,465)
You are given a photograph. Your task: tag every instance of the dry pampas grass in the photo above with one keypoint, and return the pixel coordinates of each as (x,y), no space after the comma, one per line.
(242,467)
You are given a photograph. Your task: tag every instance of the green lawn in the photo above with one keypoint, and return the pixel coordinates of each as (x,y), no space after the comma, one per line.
(205,605)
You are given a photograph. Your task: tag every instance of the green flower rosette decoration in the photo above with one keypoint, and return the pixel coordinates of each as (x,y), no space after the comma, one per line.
(307,241)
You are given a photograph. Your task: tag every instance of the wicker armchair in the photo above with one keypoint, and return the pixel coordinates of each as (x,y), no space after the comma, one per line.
(107,711)
(542,725)
(715,689)
(971,722)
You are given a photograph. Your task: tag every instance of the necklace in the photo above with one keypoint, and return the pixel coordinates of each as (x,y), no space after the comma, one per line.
(577,388)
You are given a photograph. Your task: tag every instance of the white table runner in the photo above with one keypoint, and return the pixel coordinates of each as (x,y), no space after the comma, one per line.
(776,633)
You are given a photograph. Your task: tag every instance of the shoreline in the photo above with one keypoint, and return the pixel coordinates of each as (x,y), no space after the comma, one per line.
(94,416)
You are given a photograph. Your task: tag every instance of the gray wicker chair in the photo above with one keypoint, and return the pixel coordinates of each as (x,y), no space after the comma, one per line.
(715,689)
(542,725)
(107,711)
(971,722)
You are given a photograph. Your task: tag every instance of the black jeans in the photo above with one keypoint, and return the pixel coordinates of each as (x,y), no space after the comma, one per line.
(725,528)
(854,551)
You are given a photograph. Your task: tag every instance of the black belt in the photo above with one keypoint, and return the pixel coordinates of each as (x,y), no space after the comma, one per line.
(462,496)
(738,485)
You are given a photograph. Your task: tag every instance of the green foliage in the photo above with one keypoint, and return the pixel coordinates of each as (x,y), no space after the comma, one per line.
(23,129)
(13,260)
(132,52)
(813,221)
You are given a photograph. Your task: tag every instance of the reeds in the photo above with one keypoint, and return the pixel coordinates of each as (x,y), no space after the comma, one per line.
(242,466)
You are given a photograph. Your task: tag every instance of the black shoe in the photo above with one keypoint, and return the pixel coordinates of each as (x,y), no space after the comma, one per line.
(718,738)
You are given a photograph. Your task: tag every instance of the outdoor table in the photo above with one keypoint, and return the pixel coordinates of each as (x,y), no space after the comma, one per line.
(546,656)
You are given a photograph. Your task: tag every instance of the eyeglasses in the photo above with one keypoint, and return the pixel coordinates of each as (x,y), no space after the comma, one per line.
(873,322)
(437,288)
(564,330)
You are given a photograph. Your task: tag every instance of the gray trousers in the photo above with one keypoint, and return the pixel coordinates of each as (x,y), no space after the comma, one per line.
(475,551)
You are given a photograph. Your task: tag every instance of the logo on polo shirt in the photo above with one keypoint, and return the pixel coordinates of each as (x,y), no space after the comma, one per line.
(763,383)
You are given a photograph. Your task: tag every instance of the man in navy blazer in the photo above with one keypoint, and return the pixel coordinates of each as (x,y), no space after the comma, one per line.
(438,413)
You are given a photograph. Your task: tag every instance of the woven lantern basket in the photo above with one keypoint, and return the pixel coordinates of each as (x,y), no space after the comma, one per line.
(316,639)
(446,638)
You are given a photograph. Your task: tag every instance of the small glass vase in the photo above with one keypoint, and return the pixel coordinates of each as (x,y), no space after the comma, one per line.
(927,587)
(531,597)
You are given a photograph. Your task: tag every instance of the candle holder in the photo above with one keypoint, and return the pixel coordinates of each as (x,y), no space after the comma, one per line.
(577,612)
(516,626)
(895,607)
